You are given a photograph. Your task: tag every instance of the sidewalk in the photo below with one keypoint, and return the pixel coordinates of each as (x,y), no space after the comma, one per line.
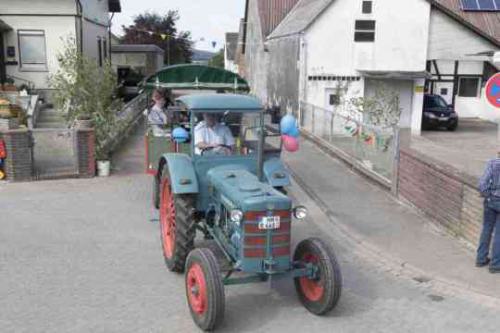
(394,230)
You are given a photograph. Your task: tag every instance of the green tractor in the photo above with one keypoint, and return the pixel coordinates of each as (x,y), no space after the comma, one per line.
(232,193)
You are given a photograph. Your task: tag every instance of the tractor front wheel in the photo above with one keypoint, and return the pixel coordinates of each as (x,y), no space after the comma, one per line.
(321,293)
(177,224)
(204,289)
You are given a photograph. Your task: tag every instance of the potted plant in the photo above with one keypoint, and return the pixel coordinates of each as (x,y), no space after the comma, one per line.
(84,121)
(85,93)
(9,85)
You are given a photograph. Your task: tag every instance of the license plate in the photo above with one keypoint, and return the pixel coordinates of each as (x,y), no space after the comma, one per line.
(269,222)
(443,119)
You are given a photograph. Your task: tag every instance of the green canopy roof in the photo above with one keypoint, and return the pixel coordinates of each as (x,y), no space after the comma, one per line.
(196,77)
(221,102)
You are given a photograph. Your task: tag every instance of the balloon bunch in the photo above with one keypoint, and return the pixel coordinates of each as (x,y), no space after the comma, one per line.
(290,133)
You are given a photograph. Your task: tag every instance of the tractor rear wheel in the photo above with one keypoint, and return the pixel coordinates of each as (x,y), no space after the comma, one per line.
(204,289)
(177,225)
(319,295)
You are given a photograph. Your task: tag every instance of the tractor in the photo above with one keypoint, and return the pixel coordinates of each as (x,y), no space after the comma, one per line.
(235,197)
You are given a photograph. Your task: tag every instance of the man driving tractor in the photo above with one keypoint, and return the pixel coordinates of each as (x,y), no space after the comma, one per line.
(210,135)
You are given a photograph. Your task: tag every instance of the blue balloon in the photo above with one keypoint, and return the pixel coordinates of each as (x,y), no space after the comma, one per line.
(294,132)
(288,124)
(180,135)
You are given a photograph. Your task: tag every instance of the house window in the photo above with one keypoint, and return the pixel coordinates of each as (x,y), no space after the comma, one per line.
(32,49)
(444,91)
(334,99)
(99,50)
(105,48)
(367,7)
(468,87)
(364,31)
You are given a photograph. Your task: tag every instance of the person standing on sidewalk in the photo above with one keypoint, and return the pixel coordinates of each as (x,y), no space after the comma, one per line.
(489,186)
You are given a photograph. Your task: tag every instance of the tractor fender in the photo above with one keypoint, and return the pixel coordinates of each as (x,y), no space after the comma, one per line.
(182,174)
(276,173)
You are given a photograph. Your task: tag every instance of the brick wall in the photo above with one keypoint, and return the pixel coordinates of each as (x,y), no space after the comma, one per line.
(86,153)
(19,161)
(441,192)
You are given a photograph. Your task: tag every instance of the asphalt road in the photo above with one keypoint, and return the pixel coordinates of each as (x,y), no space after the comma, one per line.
(84,256)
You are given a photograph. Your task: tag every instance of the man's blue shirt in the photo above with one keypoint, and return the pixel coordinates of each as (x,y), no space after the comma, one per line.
(489,184)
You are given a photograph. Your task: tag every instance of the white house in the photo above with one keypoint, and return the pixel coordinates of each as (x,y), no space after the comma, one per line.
(33,34)
(302,50)
(230,52)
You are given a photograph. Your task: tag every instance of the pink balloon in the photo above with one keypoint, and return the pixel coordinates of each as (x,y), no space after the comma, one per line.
(290,143)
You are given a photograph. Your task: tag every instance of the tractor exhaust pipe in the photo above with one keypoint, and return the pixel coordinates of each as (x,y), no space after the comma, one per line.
(260,150)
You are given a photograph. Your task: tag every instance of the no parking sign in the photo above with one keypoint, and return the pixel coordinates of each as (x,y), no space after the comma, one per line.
(493,90)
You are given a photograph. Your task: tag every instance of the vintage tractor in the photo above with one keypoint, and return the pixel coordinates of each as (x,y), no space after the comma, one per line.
(234,196)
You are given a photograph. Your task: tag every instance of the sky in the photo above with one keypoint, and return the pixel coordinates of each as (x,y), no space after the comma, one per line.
(206,19)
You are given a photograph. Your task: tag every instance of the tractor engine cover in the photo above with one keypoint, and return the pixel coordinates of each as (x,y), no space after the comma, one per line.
(264,233)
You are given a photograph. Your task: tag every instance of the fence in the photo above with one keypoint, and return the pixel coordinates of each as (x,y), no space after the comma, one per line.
(55,153)
(371,148)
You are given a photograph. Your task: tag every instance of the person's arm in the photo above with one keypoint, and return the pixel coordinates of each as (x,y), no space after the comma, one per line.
(229,138)
(486,179)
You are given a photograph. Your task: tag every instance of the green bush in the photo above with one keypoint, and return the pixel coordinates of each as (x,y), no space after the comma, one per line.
(83,88)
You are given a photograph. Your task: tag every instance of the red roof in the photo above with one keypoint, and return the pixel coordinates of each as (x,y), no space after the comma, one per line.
(272,12)
(486,24)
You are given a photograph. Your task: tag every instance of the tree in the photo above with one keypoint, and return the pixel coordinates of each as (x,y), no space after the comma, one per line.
(217,60)
(152,28)
(82,88)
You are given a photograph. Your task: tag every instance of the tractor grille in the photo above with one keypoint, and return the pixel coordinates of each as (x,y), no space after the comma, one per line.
(266,243)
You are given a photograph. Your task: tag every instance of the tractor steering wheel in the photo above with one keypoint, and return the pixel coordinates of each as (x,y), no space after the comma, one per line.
(229,148)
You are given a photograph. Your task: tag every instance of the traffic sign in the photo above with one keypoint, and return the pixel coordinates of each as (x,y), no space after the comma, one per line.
(493,90)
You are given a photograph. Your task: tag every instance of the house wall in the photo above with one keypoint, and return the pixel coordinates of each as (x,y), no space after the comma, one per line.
(55,29)
(284,74)
(443,48)
(38,7)
(91,34)
(332,51)
(400,49)
(255,58)
(58,19)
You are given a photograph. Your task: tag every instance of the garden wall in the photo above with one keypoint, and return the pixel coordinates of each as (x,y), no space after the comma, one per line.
(444,194)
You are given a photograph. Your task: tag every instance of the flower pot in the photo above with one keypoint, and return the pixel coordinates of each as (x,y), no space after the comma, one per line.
(103,168)
(84,123)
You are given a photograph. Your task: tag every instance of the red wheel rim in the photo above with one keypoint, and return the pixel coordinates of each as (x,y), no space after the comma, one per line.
(197,289)
(312,289)
(167,219)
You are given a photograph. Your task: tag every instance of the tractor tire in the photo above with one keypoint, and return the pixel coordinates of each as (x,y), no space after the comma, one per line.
(177,225)
(156,192)
(320,295)
(204,289)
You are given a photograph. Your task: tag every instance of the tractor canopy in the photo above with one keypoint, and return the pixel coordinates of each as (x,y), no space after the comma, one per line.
(220,103)
(196,77)
(244,190)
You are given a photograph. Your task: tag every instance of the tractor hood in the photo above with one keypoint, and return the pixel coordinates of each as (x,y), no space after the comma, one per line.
(244,190)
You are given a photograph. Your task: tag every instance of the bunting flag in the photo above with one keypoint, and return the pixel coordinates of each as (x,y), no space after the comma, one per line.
(163,36)
(214,44)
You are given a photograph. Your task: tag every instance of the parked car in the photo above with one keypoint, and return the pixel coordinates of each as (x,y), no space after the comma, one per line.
(438,114)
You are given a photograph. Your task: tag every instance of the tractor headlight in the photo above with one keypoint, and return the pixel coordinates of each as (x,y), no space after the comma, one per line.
(300,212)
(236,215)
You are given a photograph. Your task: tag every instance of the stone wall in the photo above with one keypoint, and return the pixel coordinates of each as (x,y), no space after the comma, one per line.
(19,161)
(442,193)
(86,153)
